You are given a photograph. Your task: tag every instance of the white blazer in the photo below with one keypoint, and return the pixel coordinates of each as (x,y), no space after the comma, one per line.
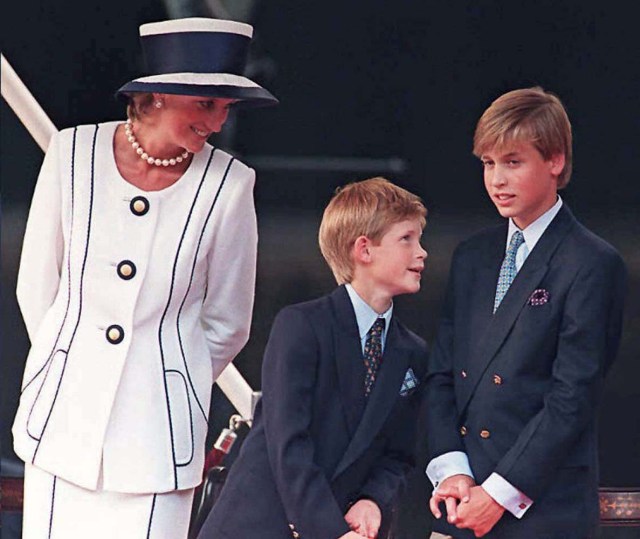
(134,303)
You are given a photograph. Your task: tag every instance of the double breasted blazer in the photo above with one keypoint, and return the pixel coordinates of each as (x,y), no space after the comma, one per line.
(134,302)
(316,445)
(518,390)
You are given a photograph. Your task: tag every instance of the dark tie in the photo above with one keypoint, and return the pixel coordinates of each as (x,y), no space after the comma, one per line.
(508,269)
(373,354)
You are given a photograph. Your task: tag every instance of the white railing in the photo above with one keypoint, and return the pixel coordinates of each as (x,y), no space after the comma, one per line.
(41,128)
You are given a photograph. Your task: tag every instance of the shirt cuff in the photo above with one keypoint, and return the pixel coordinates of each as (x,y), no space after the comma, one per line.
(508,496)
(446,465)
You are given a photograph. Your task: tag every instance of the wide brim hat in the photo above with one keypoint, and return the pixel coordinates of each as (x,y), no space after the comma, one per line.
(199,57)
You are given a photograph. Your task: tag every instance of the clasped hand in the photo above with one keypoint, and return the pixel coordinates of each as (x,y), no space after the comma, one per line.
(468,505)
(364,519)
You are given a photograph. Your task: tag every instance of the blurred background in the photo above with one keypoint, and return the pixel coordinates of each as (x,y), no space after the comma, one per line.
(366,88)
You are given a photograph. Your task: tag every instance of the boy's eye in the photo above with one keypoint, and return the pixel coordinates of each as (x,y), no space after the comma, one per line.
(205,104)
(487,163)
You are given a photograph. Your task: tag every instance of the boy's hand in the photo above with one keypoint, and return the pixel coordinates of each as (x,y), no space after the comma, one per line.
(364,517)
(451,491)
(480,514)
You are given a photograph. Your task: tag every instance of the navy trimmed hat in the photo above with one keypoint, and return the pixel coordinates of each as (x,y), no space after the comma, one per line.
(198,56)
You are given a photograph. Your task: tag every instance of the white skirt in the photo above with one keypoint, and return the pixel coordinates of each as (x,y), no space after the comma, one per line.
(57,509)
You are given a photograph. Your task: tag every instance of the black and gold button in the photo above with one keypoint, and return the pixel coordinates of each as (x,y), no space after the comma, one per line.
(115,334)
(139,205)
(497,379)
(485,434)
(126,270)
(463,430)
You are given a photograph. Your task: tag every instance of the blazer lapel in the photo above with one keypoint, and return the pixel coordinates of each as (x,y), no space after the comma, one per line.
(527,279)
(395,361)
(348,357)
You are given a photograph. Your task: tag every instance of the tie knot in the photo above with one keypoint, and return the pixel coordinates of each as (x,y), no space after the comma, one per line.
(377,328)
(516,241)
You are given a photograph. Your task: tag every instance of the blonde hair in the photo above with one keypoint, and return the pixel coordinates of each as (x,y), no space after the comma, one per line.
(138,104)
(365,208)
(527,115)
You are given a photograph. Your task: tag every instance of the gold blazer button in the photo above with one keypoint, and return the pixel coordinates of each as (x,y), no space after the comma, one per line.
(485,434)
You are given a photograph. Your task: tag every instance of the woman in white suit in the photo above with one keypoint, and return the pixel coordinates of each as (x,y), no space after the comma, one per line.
(136,286)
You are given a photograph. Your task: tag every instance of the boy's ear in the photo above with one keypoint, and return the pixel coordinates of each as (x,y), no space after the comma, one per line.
(557,164)
(361,250)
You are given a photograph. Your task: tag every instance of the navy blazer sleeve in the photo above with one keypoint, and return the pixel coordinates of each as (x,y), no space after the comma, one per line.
(587,343)
(288,379)
(441,410)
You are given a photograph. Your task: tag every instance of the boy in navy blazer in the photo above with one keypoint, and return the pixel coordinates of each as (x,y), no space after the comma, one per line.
(334,431)
(531,324)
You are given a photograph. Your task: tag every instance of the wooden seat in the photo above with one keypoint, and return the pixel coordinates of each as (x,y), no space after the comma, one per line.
(620,507)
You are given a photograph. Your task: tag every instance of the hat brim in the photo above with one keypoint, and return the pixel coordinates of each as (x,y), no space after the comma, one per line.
(247,92)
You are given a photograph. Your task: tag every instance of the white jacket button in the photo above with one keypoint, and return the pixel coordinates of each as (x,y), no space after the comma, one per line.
(139,206)
(115,334)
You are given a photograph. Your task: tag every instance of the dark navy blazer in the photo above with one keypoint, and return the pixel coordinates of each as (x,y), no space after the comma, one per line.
(316,445)
(523,384)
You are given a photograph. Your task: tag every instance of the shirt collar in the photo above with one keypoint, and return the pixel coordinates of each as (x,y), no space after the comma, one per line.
(365,315)
(535,230)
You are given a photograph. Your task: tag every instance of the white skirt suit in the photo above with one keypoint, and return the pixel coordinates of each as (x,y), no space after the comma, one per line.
(134,303)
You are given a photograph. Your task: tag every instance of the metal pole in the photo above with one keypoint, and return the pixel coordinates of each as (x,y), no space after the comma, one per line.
(41,128)
(18,97)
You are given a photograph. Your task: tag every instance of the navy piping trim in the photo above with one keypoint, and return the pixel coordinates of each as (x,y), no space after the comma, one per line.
(84,264)
(66,312)
(184,381)
(153,506)
(193,267)
(53,497)
(33,405)
(164,314)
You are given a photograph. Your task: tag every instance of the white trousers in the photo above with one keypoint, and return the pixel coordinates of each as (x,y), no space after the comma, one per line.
(57,509)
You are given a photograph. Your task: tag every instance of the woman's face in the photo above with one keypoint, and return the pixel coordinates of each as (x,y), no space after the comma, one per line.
(188,121)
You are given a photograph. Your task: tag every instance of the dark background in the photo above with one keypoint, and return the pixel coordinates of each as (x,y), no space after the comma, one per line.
(366,88)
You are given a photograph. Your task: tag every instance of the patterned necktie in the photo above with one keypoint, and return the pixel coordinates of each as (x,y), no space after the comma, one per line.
(508,269)
(373,354)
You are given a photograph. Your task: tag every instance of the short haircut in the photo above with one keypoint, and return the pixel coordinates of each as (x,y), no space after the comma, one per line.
(364,208)
(138,104)
(527,115)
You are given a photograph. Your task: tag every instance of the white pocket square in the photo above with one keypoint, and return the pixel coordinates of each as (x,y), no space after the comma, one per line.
(409,383)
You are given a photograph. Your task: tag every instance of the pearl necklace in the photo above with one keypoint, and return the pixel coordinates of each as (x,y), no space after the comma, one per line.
(128,130)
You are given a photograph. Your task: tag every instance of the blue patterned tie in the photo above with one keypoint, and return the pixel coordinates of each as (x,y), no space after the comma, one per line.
(508,269)
(373,354)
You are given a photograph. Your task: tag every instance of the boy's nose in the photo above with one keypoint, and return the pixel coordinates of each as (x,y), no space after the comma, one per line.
(497,177)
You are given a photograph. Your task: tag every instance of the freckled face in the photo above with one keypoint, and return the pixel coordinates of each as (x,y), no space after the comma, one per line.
(398,260)
(521,183)
(188,121)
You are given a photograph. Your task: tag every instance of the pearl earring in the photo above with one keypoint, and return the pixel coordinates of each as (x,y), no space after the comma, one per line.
(158,104)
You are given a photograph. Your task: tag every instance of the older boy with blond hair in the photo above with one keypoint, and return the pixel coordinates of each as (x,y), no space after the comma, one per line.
(333,435)
(531,324)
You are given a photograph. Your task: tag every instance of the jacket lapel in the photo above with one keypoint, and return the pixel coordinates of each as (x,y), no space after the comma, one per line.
(348,357)
(395,361)
(528,278)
